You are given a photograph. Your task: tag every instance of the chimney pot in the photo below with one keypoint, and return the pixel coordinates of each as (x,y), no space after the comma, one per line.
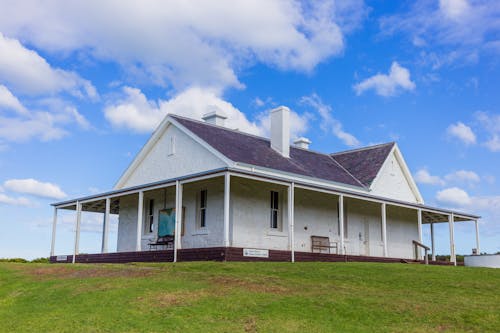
(280,130)
(302,143)
(215,117)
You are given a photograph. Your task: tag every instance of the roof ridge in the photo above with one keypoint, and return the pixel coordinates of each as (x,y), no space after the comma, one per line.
(245,133)
(348,172)
(362,148)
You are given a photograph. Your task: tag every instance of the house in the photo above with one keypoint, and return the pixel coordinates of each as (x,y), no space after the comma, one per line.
(236,196)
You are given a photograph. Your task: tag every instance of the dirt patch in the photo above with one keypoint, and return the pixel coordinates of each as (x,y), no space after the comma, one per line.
(175,298)
(268,286)
(250,325)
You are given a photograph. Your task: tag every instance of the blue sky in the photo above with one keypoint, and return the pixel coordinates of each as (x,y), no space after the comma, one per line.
(82,86)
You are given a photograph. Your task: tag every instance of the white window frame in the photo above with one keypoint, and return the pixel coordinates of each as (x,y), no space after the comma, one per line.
(202,209)
(171,148)
(149,218)
(275,211)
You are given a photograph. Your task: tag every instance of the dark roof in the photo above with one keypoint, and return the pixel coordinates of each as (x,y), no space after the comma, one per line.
(364,163)
(254,150)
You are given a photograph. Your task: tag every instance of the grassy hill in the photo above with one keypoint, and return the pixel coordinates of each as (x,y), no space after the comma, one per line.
(248,297)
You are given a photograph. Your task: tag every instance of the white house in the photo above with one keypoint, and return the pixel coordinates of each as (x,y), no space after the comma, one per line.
(245,197)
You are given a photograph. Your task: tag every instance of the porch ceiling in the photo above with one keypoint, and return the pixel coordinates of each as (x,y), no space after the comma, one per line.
(98,206)
(433,217)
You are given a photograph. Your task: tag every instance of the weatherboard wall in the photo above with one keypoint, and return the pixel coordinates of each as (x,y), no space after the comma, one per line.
(175,154)
(392,183)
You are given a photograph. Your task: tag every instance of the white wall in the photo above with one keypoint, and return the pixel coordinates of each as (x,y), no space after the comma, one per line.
(315,215)
(194,236)
(159,164)
(392,183)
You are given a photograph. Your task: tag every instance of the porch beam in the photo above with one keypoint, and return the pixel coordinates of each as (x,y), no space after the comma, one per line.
(451,224)
(341,224)
(54,226)
(140,207)
(227,194)
(178,218)
(77,230)
(432,243)
(477,237)
(105,227)
(384,228)
(291,231)
(419,226)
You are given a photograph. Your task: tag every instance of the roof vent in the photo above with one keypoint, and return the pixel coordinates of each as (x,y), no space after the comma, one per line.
(280,130)
(215,117)
(302,143)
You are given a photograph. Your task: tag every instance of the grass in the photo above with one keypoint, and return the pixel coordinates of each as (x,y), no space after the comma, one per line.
(248,297)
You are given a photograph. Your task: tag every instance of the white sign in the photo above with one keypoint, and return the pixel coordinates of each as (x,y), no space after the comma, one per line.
(61,258)
(256,253)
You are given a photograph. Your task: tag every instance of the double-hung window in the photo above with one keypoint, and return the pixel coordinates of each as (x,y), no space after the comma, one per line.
(275,210)
(150,217)
(203,209)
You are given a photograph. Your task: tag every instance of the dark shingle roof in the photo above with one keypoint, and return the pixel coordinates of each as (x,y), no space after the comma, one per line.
(249,149)
(364,163)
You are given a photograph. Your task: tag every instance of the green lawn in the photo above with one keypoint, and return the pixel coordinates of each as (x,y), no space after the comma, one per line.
(248,297)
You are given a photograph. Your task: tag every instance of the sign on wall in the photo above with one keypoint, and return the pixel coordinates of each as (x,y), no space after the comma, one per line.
(256,253)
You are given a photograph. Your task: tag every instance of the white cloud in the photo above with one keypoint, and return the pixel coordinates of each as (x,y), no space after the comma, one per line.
(454,9)
(197,43)
(457,31)
(9,101)
(463,176)
(328,123)
(34,187)
(491,124)
(454,196)
(423,176)
(7,200)
(387,84)
(26,72)
(463,132)
(135,112)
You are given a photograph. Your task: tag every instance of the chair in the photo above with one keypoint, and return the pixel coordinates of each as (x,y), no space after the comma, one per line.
(322,244)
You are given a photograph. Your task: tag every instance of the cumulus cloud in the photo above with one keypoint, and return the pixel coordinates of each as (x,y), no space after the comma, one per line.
(26,72)
(454,30)
(454,196)
(423,176)
(9,101)
(135,112)
(198,43)
(328,123)
(20,201)
(463,176)
(491,124)
(34,187)
(462,132)
(387,84)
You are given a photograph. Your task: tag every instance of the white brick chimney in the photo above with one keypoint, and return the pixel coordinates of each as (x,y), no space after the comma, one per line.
(280,130)
(302,143)
(215,116)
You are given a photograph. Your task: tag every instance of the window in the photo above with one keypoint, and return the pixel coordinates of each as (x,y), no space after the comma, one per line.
(275,210)
(171,148)
(203,208)
(150,217)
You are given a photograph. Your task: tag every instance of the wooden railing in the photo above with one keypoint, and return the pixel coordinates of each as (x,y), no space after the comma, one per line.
(417,244)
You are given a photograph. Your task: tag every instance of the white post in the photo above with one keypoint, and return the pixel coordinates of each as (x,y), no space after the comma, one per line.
(420,238)
(227,193)
(432,243)
(140,207)
(451,220)
(77,229)
(105,227)
(54,224)
(341,223)
(291,204)
(477,238)
(384,228)
(178,218)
